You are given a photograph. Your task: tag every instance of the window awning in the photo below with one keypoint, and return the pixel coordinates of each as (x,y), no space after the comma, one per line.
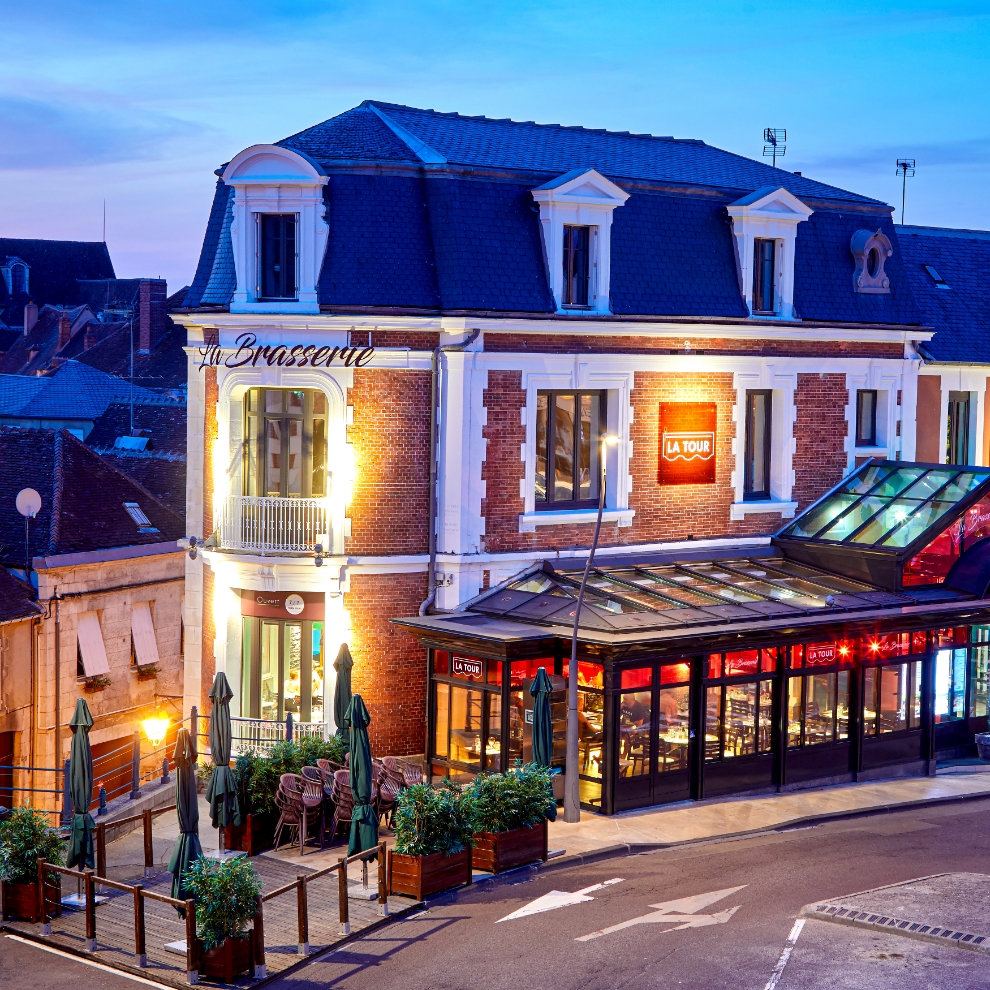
(91,646)
(143,632)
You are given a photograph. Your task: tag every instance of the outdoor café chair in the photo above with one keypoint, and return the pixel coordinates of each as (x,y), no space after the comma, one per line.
(343,802)
(388,792)
(294,812)
(315,794)
(402,770)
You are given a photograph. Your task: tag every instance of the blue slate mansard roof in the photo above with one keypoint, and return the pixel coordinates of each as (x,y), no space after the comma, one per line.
(444,221)
(959,307)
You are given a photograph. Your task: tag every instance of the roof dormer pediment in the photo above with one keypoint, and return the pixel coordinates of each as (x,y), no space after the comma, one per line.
(581,185)
(774,203)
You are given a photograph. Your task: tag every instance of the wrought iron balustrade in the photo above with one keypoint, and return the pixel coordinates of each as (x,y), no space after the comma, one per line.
(255,522)
(260,734)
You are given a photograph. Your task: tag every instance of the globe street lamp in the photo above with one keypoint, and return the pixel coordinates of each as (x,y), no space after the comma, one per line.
(155,728)
(572,785)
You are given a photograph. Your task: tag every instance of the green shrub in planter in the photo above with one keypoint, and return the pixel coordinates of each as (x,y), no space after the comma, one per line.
(518,798)
(431,820)
(26,836)
(225,893)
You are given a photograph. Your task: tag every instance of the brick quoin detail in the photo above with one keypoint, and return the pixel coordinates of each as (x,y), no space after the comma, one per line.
(391,437)
(821,429)
(389,665)
(500,343)
(208,668)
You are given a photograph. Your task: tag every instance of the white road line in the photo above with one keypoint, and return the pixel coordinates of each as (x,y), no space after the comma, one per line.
(778,970)
(86,962)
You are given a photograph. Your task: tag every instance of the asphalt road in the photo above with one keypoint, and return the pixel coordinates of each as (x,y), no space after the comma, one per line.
(463,946)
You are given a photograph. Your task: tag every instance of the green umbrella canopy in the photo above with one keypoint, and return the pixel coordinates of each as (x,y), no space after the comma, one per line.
(540,689)
(364,820)
(222,791)
(342,688)
(81,788)
(187,847)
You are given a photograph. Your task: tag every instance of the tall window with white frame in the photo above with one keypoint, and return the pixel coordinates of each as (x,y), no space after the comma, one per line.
(957,429)
(756,469)
(866,417)
(569,428)
(764,252)
(577,266)
(285,450)
(277,256)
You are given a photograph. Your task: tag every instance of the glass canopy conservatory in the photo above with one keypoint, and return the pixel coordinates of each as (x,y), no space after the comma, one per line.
(856,645)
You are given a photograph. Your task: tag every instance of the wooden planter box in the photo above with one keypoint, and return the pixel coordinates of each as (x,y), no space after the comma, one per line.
(420,876)
(20,901)
(254,835)
(496,852)
(228,960)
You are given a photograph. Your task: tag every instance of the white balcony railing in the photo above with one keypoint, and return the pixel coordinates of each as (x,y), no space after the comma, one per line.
(254,522)
(260,735)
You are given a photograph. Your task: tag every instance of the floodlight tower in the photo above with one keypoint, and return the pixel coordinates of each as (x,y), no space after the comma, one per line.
(773,143)
(905,169)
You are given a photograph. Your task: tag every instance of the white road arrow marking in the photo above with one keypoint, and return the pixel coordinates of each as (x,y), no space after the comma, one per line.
(557,899)
(679,914)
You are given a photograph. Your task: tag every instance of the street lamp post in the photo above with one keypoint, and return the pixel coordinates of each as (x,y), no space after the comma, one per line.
(572,785)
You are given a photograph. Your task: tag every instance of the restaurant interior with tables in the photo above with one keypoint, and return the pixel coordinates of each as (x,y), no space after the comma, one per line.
(854,646)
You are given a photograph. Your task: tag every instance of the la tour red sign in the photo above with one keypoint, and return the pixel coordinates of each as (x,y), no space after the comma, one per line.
(687,443)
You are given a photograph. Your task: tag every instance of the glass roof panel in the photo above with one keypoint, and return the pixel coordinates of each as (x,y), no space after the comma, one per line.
(534,583)
(928,515)
(886,505)
(821,515)
(847,524)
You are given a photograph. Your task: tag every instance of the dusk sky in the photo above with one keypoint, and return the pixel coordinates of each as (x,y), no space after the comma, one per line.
(137,103)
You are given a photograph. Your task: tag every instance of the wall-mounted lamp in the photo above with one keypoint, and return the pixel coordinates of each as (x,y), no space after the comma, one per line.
(319,554)
(192,541)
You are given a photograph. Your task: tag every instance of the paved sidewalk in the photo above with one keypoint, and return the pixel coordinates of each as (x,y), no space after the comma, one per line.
(688,821)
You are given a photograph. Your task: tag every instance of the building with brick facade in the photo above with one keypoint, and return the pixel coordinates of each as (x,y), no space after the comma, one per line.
(408,332)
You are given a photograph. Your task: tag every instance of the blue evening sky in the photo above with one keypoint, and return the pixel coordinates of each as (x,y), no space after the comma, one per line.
(137,102)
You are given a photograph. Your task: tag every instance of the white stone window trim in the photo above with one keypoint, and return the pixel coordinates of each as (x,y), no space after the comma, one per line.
(582,197)
(783,444)
(618,419)
(269,179)
(886,385)
(231,387)
(773,214)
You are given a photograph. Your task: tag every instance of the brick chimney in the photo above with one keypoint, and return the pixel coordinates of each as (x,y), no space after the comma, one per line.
(144,316)
(30,317)
(64,330)
(89,339)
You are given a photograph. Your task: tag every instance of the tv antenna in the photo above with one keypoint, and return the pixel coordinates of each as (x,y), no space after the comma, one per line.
(773,143)
(28,503)
(905,169)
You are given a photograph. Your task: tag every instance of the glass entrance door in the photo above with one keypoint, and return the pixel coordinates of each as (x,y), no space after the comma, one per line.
(655,741)
(283,670)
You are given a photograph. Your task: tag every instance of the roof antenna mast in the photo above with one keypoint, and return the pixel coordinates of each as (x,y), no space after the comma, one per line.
(905,169)
(773,143)
(104,221)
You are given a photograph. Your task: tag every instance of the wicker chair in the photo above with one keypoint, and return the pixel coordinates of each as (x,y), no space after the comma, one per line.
(388,792)
(296,809)
(343,802)
(401,771)
(316,795)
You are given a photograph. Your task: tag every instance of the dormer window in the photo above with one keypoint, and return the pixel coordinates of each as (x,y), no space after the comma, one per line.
(577,265)
(764,296)
(15,275)
(277,275)
(870,251)
(576,220)
(764,225)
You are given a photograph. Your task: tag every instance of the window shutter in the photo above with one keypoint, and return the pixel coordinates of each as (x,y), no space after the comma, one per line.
(143,631)
(91,646)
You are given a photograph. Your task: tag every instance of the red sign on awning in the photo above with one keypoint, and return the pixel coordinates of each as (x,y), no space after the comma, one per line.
(687,443)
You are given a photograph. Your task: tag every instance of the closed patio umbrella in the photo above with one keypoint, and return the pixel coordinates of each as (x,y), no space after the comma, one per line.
(342,689)
(222,791)
(187,847)
(81,788)
(364,820)
(540,689)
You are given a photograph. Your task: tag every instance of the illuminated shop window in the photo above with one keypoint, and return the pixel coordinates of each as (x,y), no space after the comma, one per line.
(569,428)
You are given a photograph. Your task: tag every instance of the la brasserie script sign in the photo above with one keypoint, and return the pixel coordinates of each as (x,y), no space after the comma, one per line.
(249,353)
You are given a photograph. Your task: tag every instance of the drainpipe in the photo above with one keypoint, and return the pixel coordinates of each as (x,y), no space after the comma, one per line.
(434,445)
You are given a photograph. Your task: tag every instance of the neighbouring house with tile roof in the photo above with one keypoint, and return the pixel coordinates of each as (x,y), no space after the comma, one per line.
(93,592)
(425,349)
(949,271)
